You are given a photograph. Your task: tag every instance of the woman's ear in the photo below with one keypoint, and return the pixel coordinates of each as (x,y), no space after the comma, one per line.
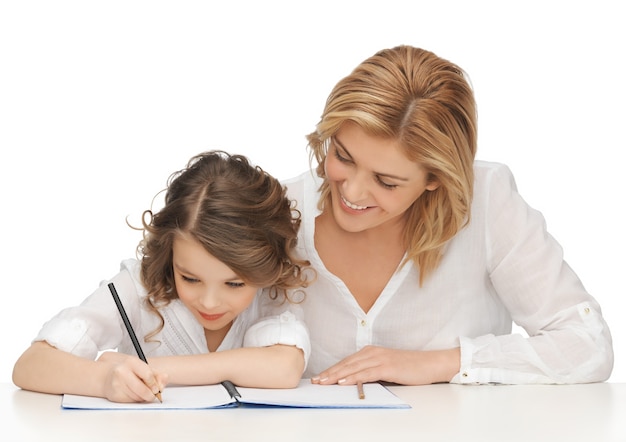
(432,183)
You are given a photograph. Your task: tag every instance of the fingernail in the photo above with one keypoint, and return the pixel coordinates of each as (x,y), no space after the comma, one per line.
(341,381)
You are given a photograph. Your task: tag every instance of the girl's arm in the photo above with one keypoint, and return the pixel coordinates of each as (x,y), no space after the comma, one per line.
(46,369)
(275,366)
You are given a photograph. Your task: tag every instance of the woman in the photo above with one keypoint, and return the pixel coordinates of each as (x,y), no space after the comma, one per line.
(424,256)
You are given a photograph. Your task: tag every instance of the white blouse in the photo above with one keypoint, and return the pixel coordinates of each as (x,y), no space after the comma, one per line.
(502,267)
(96,325)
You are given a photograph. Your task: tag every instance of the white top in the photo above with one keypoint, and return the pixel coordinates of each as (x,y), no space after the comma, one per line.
(502,267)
(96,325)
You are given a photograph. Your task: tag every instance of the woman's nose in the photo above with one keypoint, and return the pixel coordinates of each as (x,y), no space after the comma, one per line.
(354,188)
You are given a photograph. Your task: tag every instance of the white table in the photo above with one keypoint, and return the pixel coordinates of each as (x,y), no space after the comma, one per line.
(593,412)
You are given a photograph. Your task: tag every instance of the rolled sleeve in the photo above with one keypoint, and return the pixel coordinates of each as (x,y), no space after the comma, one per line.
(579,351)
(69,335)
(95,324)
(284,329)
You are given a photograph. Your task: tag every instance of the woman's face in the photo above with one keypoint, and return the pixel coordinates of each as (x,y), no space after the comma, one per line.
(372,182)
(208,287)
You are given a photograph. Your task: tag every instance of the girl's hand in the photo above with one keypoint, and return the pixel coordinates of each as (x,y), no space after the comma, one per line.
(129,379)
(405,367)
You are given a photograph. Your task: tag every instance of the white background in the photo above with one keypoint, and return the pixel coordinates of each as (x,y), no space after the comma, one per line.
(101,101)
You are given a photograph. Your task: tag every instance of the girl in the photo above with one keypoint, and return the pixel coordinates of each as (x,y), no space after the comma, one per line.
(226,230)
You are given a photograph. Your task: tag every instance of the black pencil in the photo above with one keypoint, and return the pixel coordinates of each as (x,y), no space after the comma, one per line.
(129,327)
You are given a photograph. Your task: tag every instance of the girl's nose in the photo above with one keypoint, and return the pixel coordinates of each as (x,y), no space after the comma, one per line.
(210,299)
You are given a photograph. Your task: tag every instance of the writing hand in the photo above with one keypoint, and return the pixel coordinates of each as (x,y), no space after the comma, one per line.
(405,367)
(129,379)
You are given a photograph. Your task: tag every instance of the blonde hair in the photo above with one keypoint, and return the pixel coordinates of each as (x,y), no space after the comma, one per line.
(426,103)
(238,212)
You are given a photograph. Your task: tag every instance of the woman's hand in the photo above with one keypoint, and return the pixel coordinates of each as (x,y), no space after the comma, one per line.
(405,367)
(129,379)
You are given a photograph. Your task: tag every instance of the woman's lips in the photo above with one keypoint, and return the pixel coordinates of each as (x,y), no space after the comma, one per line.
(352,205)
(353,209)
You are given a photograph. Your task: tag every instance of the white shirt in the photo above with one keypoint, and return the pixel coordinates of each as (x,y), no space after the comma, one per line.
(502,267)
(96,325)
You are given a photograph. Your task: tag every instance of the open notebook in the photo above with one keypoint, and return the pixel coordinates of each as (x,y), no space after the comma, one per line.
(306,395)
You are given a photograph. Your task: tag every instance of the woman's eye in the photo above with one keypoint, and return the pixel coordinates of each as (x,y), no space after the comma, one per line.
(338,155)
(386,185)
(235,285)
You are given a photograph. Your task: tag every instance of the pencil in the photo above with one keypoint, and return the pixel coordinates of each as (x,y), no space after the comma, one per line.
(129,327)
(359,389)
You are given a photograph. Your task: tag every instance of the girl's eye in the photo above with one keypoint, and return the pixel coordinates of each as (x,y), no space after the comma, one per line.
(386,185)
(189,279)
(235,285)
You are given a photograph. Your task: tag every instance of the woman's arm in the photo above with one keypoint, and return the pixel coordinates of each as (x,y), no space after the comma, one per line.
(405,367)
(568,340)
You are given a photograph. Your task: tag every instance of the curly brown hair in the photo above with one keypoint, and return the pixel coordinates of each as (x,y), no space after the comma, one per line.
(238,212)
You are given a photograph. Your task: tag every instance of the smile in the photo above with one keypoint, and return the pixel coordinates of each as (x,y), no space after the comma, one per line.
(211,317)
(352,206)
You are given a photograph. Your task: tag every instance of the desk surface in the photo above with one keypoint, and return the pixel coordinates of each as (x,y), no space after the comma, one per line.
(593,412)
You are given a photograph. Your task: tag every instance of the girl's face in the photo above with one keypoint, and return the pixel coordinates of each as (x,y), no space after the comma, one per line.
(208,288)
(372,182)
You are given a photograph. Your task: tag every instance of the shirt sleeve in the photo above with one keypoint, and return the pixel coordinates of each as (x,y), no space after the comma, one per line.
(94,325)
(285,329)
(567,339)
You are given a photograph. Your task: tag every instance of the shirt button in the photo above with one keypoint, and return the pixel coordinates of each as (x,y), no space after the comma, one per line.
(587,310)
(363,323)
(465,374)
